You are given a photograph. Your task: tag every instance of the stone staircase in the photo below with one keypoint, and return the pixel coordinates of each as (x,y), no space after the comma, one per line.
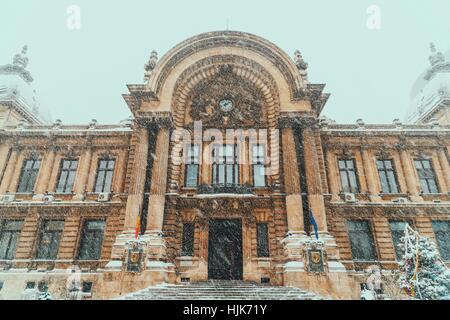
(220,290)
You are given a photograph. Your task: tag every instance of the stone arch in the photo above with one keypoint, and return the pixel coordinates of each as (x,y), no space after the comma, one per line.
(181,57)
(210,67)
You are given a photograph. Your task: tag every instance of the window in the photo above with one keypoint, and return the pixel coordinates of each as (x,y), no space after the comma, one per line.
(386,172)
(49,238)
(86,287)
(91,240)
(187,246)
(67,175)
(28,175)
(347,171)
(105,172)
(258,161)
(9,237)
(397,231)
(225,168)
(442,233)
(262,236)
(426,175)
(361,240)
(192,166)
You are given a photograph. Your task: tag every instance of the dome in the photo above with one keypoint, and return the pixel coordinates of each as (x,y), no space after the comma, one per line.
(431,91)
(17,92)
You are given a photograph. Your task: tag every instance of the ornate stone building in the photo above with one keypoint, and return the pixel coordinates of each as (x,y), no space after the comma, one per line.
(223,206)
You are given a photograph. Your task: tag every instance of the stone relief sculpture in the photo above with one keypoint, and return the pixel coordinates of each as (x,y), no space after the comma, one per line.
(301,65)
(150,65)
(227,100)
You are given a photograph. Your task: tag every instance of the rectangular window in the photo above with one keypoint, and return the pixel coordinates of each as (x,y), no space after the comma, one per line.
(388,180)
(91,240)
(258,162)
(426,175)
(192,165)
(49,237)
(262,236)
(28,175)
(347,172)
(361,240)
(397,231)
(67,175)
(442,233)
(105,172)
(225,167)
(187,246)
(9,237)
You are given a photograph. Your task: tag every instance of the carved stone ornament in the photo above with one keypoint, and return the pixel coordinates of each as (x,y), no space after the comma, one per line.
(134,257)
(315,256)
(227,101)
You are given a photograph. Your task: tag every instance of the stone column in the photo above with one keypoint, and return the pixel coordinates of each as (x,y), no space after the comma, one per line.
(313,179)
(44,175)
(83,174)
(135,196)
(137,181)
(410,177)
(9,171)
(369,174)
(158,184)
(4,151)
(443,160)
(333,176)
(156,203)
(294,206)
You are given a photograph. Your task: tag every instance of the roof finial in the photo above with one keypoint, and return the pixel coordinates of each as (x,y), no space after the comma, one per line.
(301,65)
(20,59)
(150,65)
(436,57)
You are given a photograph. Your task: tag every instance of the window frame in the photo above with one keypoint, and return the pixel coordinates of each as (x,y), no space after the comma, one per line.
(219,161)
(386,170)
(195,158)
(446,255)
(29,188)
(105,172)
(262,240)
(41,233)
(187,239)
(370,234)
(347,170)
(396,252)
(69,170)
(3,222)
(82,237)
(257,162)
(426,179)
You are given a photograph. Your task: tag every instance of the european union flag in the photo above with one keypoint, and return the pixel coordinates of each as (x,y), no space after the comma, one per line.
(313,222)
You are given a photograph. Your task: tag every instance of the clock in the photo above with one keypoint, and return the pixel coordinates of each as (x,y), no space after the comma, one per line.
(226,105)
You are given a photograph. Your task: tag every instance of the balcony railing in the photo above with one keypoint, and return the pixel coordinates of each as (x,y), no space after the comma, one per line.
(225,188)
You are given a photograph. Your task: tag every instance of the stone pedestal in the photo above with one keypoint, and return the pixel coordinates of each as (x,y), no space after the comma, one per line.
(314,265)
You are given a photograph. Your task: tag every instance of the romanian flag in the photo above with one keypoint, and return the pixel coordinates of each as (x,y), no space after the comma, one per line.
(138,224)
(313,222)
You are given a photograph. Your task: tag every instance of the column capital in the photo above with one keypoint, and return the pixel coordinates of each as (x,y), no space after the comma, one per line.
(289,121)
(155,119)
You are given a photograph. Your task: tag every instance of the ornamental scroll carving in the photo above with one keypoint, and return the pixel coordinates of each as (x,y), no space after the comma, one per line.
(247,101)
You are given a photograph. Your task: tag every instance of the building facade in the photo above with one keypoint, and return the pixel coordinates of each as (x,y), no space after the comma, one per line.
(218,170)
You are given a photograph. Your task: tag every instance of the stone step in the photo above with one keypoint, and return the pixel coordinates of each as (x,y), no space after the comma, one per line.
(220,290)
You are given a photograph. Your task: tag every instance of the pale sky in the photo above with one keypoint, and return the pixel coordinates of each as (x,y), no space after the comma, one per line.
(81,74)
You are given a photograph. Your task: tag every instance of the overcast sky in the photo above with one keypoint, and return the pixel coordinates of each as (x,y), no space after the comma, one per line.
(81,74)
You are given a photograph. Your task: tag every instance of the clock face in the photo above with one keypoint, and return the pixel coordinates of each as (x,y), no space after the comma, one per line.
(226,105)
